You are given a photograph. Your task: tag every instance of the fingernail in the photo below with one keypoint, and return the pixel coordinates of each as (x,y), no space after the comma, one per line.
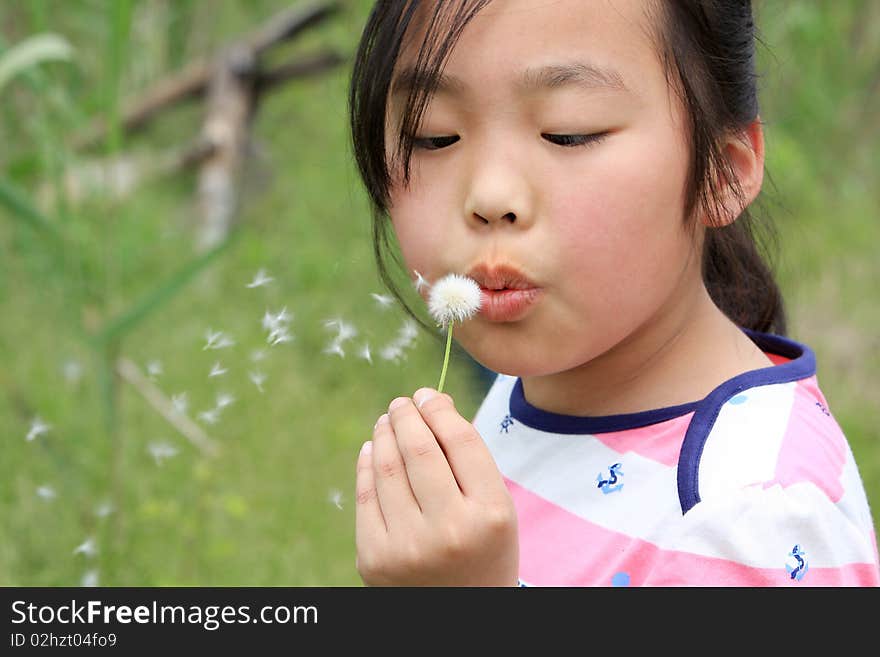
(422,395)
(382,419)
(397,403)
(367,448)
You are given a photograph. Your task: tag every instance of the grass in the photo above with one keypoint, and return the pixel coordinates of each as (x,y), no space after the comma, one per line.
(262,513)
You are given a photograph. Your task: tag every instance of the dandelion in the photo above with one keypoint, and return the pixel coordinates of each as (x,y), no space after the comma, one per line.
(160,451)
(89,578)
(88,548)
(365,353)
(260,279)
(383,300)
(454,298)
(46,492)
(257,378)
(154,368)
(336,498)
(180,403)
(217,370)
(37,428)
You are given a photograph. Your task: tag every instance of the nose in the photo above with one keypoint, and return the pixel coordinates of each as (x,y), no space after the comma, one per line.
(498,194)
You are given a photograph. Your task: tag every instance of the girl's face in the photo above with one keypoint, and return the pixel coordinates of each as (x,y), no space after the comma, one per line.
(596,227)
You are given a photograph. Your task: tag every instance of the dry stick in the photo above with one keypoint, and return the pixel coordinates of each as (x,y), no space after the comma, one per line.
(189,429)
(194,79)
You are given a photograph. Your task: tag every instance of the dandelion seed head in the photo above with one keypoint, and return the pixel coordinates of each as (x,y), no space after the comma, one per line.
(454,298)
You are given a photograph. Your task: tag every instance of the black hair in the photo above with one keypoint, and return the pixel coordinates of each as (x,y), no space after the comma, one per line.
(707,48)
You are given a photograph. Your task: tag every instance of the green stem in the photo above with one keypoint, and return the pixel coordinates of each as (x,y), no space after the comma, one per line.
(445,359)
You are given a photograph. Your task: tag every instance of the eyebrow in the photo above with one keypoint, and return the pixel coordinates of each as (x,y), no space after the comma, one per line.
(530,81)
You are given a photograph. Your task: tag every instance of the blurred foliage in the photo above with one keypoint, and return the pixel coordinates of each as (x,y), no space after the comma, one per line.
(88,274)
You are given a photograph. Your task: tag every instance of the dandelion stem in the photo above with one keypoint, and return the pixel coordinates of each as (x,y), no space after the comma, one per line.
(445,359)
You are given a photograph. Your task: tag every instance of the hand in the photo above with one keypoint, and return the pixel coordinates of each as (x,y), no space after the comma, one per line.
(432,507)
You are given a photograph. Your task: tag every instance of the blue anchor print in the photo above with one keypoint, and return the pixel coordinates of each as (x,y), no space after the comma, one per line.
(506,423)
(610,485)
(797,572)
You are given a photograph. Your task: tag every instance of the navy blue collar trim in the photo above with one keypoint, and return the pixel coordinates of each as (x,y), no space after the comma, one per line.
(801,365)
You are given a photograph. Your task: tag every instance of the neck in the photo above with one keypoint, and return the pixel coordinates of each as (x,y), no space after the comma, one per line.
(673,359)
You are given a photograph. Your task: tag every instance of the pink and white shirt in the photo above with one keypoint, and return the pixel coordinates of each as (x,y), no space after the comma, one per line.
(755,485)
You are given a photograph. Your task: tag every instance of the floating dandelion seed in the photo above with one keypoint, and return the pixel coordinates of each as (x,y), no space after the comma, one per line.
(180,403)
(210,417)
(335,347)
(408,331)
(38,428)
(391,352)
(365,353)
(104,509)
(420,282)
(257,355)
(88,548)
(224,399)
(89,578)
(336,498)
(154,368)
(217,340)
(46,492)
(258,378)
(160,451)
(260,279)
(454,298)
(279,336)
(217,370)
(72,371)
(384,300)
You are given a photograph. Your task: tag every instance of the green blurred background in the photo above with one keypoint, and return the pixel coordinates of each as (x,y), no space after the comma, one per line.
(111,493)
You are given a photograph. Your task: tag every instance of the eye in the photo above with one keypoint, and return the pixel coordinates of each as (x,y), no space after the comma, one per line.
(571,141)
(433,143)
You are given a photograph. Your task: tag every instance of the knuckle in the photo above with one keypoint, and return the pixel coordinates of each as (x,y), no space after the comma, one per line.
(466,435)
(421,448)
(388,468)
(453,544)
(365,495)
(500,519)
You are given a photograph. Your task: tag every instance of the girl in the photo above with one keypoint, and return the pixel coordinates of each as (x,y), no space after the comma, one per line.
(589,163)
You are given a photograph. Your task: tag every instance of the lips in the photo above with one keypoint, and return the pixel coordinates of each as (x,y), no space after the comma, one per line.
(507,293)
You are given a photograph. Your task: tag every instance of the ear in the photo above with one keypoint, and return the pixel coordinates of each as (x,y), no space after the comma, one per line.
(744,151)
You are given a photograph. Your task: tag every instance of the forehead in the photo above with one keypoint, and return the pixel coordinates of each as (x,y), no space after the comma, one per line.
(526,46)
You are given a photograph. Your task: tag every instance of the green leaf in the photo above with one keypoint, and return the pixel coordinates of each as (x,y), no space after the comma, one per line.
(34,50)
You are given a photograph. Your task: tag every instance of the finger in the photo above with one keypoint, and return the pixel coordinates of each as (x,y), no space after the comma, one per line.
(370,529)
(427,469)
(468,456)
(399,505)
